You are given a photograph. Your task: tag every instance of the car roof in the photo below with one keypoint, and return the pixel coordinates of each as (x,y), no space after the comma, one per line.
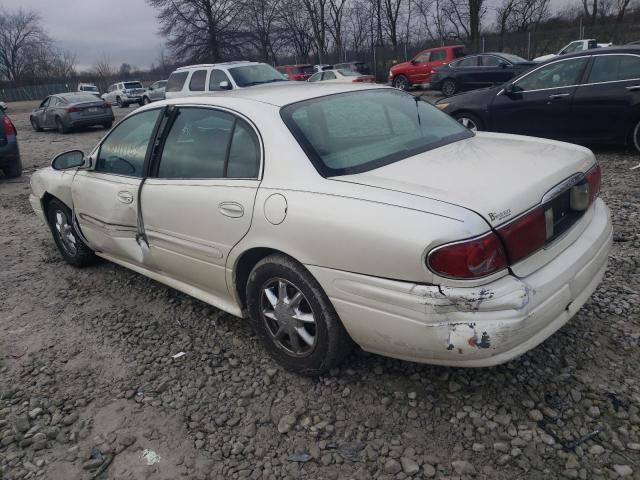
(223,65)
(634,49)
(280,94)
(296,65)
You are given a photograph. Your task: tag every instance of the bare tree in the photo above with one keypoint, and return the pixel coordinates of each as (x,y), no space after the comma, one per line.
(465,17)
(317,13)
(297,29)
(264,29)
(391,12)
(591,10)
(336,13)
(21,39)
(201,30)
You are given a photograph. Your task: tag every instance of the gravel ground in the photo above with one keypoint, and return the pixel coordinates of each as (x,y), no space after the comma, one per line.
(89,387)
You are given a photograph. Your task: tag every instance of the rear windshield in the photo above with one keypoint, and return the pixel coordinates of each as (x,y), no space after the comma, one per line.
(88,88)
(132,85)
(458,52)
(176,81)
(306,70)
(513,58)
(358,131)
(349,73)
(249,75)
(79,98)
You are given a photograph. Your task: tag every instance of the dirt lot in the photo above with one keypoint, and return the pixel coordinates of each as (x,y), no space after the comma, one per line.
(89,388)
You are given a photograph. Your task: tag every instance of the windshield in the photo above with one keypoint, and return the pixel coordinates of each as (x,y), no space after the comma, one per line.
(358,131)
(89,88)
(513,58)
(255,74)
(79,98)
(132,85)
(348,73)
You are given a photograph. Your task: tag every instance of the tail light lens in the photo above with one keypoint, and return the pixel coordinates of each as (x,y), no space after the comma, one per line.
(470,259)
(71,109)
(594,179)
(525,235)
(7,126)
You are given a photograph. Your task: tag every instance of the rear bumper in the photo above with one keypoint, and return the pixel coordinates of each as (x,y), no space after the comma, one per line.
(471,327)
(84,121)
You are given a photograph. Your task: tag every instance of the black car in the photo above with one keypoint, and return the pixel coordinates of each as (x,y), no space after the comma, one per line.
(10,162)
(588,97)
(477,71)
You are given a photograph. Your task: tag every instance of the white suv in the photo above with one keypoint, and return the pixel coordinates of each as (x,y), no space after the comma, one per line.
(217,77)
(124,94)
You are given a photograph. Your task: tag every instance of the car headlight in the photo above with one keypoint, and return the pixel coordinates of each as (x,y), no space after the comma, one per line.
(442,106)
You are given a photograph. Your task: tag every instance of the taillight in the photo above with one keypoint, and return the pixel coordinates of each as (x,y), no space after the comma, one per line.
(71,109)
(526,234)
(474,258)
(7,126)
(594,179)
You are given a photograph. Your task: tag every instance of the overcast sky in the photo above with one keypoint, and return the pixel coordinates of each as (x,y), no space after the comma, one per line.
(125,30)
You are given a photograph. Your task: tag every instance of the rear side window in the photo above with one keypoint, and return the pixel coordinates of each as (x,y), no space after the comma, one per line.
(176,81)
(123,151)
(608,68)
(458,52)
(198,80)
(198,146)
(489,61)
(467,62)
(438,55)
(215,78)
(329,76)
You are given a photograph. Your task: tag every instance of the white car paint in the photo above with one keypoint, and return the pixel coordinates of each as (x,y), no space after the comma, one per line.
(340,76)
(573,47)
(358,232)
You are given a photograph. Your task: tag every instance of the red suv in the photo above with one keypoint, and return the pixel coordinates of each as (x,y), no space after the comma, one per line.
(418,70)
(297,72)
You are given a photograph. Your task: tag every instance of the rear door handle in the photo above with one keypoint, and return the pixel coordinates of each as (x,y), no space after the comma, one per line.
(125,196)
(231,209)
(633,88)
(559,95)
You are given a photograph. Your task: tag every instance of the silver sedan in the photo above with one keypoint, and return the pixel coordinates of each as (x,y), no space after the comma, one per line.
(65,111)
(331,214)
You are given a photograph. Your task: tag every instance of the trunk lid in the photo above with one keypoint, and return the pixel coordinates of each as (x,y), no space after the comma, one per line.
(498,176)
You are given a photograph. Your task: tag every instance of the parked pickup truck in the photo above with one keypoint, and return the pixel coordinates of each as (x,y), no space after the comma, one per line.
(573,47)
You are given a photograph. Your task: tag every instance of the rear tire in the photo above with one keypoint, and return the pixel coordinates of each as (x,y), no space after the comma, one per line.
(120,103)
(470,121)
(449,87)
(74,251)
(297,323)
(145,101)
(14,171)
(635,136)
(401,82)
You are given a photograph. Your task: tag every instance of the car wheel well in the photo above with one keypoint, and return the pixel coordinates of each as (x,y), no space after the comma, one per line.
(243,268)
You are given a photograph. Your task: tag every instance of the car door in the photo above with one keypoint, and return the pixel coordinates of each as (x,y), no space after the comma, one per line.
(466,72)
(199,203)
(492,70)
(603,106)
(328,76)
(417,71)
(105,198)
(436,59)
(40,113)
(52,111)
(538,103)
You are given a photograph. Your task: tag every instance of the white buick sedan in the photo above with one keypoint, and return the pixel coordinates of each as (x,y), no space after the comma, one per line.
(332,214)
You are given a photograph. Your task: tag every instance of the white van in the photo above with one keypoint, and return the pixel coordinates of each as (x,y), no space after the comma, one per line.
(217,77)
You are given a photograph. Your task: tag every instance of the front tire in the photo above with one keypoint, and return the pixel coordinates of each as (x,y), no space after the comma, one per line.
(470,121)
(74,251)
(401,82)
(449,87)
(60,126)
(635,136)
(145,101)
(120,103)
(294,318)
(35,125)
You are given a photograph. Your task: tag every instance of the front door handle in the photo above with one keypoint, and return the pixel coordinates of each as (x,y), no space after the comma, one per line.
(231,209)
(558,96)
(633,88)
(125,196)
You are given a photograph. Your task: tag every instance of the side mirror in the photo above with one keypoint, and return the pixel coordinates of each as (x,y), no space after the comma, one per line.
(225,85)
(504,64)
(413,61)
(67,160)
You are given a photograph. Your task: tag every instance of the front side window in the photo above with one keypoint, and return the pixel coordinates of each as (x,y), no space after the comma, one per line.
(54,101)
(198,146)
(554,75)
(359,131)
(215,78)
(611,68)
(422,57)
(176,81)
(467,62)
(45,103)
(329,75)
(197,82)
(316,77)
(573,47)
(124,150)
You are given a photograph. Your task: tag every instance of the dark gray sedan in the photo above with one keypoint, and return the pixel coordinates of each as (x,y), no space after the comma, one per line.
(65,111)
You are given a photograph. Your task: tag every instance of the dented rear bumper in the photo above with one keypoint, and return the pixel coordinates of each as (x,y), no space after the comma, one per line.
(471,327)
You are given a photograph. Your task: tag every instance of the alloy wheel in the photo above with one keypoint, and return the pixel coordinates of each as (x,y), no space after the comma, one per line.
(636,136)
(64,231)
(400,82)
(448,88)
(469,123)
(288,317)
